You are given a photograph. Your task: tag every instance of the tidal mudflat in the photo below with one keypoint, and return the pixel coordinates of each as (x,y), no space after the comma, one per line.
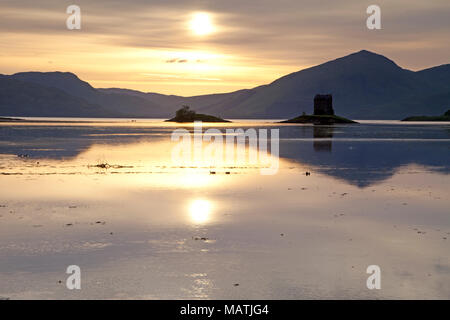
(107,197)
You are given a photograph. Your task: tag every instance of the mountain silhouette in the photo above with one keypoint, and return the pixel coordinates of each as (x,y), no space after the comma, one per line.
(117,105)
(21,98)
(365,85)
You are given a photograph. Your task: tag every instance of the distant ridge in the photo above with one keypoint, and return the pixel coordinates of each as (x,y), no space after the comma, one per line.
(365,85)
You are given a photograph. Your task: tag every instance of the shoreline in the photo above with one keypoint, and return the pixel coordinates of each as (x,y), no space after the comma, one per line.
(72,120)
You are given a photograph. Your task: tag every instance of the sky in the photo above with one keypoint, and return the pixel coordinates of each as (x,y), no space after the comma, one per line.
(193,47)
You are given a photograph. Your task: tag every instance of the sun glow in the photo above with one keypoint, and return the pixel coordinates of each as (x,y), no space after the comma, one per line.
(200,211)
(201,24)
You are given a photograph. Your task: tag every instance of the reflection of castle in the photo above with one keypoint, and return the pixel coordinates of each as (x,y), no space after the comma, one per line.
(323,133)
(323,105)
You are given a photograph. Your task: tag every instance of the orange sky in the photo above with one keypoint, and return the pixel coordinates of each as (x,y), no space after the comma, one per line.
(153,45)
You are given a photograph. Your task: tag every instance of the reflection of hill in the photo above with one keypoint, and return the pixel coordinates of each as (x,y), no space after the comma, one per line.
(66,142)
(367,154)
(361,155)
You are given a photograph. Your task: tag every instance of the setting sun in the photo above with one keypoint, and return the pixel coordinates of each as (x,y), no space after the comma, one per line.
(201,24)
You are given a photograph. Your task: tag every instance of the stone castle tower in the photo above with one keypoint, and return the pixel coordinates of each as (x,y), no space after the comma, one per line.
(323,104)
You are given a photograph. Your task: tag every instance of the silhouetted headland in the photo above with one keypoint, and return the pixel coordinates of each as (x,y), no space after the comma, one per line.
(10,119)
(186,115)
(323,113)
(444,117)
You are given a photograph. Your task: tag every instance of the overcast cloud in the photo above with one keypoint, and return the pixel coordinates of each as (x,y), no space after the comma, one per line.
(284,34)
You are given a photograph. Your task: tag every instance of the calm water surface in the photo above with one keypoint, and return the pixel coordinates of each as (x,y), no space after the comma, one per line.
(148,228)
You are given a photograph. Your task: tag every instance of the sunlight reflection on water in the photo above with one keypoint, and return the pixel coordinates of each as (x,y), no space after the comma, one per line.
(109,198)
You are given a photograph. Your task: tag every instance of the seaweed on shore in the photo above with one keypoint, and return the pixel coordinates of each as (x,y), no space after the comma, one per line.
(105,165)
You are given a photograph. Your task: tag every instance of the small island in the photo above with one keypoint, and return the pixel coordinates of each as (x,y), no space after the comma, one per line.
(186,115)
(323,113)
(444,117)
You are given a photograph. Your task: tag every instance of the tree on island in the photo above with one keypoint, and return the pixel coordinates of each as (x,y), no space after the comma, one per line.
(185,113)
